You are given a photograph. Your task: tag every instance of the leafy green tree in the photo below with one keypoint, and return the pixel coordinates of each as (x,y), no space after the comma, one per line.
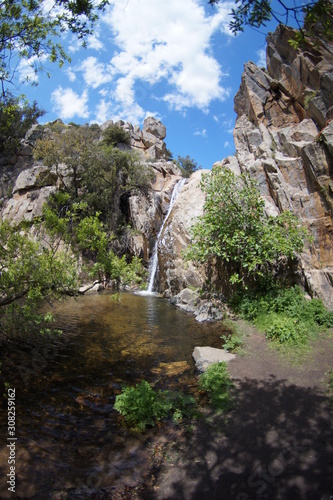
(316,16)
(235,229)
(110,179)
(30,273)
(16,118)
(100,175)
(187,165)
(29,30)
(72,146)
(114,135)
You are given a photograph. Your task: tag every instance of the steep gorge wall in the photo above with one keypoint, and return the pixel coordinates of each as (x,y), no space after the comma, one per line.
(284,139)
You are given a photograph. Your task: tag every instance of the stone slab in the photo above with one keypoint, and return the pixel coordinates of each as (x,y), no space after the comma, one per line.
(205,356)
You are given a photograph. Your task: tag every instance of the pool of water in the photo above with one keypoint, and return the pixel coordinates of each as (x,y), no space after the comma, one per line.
(68,434)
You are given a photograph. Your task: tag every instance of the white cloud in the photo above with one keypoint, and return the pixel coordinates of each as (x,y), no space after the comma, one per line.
(27,68)
(95,73)
(71,75)
(262,58)
(68,103)
(171,42)
(226,144)
(201,133)
(94,41)
(102,113)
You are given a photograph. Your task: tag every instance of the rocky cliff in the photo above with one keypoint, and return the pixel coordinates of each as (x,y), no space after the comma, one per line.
(284,139)
(26,184)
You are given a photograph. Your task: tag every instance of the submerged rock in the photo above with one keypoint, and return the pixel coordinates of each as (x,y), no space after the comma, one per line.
(205,356)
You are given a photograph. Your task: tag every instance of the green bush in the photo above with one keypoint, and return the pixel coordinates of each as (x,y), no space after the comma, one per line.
(142,406)
(284,314)
(216,381)
(235,229)
(232,343)
(114,135)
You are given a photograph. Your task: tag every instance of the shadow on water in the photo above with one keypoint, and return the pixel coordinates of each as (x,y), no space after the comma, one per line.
(68,434)
(278,444)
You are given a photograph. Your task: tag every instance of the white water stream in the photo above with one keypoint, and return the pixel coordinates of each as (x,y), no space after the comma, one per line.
(154,259)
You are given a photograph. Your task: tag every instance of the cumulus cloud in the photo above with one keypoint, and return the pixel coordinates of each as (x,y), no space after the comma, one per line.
(169,41)
(94,41)
(95,73)
(27,69)
(261,58)
(68,104)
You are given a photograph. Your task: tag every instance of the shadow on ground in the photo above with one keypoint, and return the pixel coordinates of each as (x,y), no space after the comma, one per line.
(277,444)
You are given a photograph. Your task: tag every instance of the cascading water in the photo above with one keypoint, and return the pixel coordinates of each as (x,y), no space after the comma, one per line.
(154,260)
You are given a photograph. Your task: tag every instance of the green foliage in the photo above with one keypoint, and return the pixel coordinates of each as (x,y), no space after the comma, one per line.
(72,146)
(235,229)
(110,179)
(317,17)
(29,30)
(216,381)
(16,118)
(102,176)
(115,135)
(232,343)
(187,165)
(88,235)
(143,406)
(284,314)
(30,273)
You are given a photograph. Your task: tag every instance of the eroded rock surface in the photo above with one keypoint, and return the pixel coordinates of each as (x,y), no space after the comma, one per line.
(283,137)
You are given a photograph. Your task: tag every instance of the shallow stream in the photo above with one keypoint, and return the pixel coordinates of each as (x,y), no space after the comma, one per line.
(68,434)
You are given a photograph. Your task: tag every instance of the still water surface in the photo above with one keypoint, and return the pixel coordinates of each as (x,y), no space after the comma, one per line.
(69,435)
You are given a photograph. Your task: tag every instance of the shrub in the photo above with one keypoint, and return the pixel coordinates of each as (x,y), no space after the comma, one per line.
(234,228)
(284,314)
(114,135)
(142,406)
(232,343)
(216,381)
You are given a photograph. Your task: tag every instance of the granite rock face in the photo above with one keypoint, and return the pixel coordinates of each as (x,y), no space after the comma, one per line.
(283,137)
(175,273)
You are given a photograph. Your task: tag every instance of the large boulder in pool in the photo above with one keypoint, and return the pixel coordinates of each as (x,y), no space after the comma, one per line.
(205,356)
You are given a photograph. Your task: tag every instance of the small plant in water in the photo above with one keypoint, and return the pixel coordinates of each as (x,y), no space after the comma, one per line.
(216,381)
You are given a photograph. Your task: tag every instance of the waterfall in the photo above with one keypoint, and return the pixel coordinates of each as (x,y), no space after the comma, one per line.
(154,259)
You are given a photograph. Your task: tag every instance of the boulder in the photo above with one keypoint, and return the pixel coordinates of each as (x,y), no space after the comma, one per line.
(153,126)
(205,356)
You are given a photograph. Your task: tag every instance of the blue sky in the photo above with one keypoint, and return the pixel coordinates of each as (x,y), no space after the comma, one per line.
(175,60)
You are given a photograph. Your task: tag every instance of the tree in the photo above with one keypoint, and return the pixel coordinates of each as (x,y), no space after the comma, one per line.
(187,165)
(16,118)
(29,29)
(69,145)
(235,229)
(114,135)
(110,179)
(30,273)
(100,175)
(316,16)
